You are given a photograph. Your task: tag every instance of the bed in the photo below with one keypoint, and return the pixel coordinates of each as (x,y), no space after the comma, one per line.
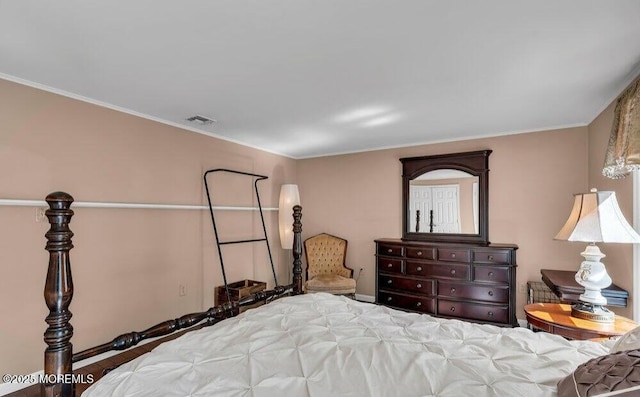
(308,345)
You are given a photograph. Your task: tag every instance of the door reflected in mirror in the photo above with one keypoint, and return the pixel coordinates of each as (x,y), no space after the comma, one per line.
(443,201)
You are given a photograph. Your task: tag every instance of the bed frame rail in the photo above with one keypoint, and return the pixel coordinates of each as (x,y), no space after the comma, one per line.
(58,293)
(209,317)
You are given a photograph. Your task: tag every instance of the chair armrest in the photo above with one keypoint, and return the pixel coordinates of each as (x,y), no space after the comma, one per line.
(345,272)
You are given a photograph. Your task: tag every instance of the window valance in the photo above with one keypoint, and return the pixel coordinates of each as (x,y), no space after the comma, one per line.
(623,152)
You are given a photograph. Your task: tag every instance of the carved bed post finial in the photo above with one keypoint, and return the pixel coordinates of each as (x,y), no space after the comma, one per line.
(58,292)
(297,250)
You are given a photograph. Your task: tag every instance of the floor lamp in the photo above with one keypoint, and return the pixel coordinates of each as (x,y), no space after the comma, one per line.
(289,197)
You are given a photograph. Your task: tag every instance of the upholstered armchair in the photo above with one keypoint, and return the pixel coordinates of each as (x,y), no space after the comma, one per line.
(326,270)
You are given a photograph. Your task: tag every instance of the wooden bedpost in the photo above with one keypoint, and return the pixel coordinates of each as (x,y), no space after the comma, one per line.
(297,250)
(58,292)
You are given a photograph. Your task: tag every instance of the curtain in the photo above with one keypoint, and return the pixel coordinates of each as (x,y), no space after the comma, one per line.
(623,152)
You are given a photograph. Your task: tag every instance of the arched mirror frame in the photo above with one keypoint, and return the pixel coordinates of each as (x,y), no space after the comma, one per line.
(475,163)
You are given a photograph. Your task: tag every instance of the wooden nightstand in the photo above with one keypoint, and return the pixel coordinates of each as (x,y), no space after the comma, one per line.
(556,319)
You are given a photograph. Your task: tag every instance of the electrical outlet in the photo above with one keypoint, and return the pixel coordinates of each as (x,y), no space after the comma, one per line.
(182,290)
(41,214)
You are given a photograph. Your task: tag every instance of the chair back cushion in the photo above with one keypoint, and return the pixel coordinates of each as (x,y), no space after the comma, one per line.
(325,255)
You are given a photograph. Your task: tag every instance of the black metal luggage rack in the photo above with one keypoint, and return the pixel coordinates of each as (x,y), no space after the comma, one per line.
(219,244)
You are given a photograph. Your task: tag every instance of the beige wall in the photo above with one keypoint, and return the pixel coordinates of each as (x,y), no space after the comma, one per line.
(127,264)
(531,184)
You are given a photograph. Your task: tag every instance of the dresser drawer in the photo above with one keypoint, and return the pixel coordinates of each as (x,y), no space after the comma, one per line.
(491,273)
(491,256)
(421,253)
(389,265)
(444,270)
(497,293)
(458,280)
(498,314)
(453,254)
(390,250)
(406,284)
(407,302)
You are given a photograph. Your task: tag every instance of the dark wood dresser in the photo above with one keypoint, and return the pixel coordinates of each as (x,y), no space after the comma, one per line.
(468,282)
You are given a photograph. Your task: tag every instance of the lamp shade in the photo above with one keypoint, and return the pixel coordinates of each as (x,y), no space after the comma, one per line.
(596,217)
(289,197)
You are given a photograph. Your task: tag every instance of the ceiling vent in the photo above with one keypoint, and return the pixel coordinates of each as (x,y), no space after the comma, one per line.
(200,120)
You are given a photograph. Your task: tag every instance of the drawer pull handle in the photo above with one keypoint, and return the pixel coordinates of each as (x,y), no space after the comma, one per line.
(390,250)
(389,281)
(419,268)
(389,299)
(453,271)
(453,290)
(490,274)
(453,255)
(419,285)
(490,257)
(419,253)
(418,304)
(390,265)
(490,293)
(453,309)
(490,314)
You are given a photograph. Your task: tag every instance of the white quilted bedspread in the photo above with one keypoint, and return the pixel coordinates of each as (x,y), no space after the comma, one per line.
(322,345)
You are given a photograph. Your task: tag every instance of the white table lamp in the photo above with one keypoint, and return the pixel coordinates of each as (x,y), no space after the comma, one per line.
(595,217)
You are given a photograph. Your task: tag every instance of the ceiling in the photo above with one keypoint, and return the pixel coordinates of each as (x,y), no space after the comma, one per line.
(309,78)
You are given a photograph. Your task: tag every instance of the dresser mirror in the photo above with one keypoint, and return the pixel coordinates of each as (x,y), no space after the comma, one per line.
(445,198)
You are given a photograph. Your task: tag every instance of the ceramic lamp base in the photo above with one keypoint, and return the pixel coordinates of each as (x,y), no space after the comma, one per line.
(591,312)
